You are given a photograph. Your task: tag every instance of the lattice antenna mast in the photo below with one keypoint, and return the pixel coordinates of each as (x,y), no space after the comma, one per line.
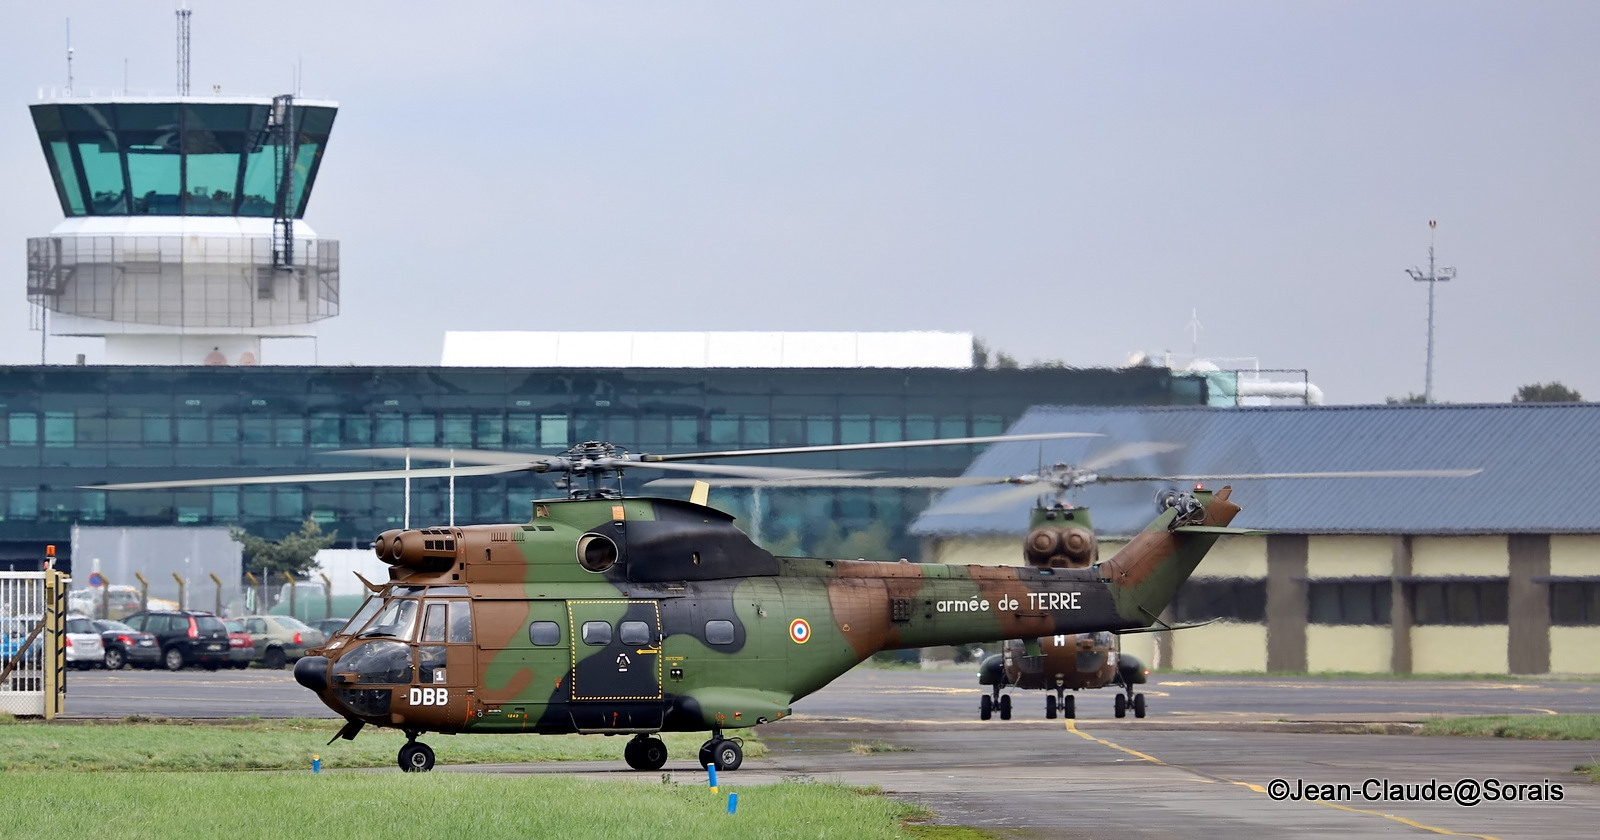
(69,56)
(183,14)
(1432,278)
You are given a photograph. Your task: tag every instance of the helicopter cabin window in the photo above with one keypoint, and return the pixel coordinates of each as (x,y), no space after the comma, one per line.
(544,633)
(719,632)
(634,633)
(596,633)
(460,622)
(433,623)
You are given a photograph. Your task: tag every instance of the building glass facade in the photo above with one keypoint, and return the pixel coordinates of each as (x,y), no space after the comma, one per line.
(64,428)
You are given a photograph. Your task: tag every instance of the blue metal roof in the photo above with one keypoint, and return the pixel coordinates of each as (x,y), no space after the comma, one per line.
(1540,466)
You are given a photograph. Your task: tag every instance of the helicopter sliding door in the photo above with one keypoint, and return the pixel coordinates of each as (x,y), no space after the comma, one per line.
(616,665)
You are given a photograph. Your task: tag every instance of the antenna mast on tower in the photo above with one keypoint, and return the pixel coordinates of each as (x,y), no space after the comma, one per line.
(1432,278)
(183,49)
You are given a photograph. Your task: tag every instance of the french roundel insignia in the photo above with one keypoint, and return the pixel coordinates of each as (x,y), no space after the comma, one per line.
(800,631)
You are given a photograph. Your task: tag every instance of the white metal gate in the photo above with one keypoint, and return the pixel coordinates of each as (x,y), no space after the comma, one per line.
(33,655)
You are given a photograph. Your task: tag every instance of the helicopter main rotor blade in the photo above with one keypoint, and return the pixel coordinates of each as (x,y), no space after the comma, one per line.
(1334,474)
(842,480)
(856,447)
(312,478)
(1127,452)
(991,502)
(779,475)
(459,456)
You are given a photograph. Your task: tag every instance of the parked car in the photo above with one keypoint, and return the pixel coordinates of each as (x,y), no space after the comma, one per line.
(82,641)
(330,626)
(241,645)
(84,648)
(13,632)
(186,637)
(280,639)
(125,645)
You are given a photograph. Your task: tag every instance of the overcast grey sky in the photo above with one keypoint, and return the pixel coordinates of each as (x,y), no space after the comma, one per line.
(1065,180)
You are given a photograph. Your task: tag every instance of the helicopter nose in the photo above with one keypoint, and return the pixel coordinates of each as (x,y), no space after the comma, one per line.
(312,672)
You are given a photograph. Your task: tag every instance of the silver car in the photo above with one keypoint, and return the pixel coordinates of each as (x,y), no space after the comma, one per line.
(280,639)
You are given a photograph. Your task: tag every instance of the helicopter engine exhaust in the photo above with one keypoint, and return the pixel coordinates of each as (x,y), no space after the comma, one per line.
(1068,548)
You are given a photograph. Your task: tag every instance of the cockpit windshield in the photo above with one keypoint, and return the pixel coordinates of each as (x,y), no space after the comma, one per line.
(395,620)
(369,608)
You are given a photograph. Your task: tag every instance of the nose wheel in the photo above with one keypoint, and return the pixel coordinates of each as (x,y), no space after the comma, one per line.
(1126,701)
(1062,701)
(988,705)
(416,757)
(645,752)
(726,753)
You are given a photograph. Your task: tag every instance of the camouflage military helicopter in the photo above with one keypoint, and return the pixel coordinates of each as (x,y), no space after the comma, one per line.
(1061,537)
(637,615)
(1061,664)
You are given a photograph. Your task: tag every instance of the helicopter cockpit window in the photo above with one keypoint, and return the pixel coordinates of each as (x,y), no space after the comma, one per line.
(368,610)
(381,663)
(433,623)
(719,632)
(596,633)
(596,552)
(398,619)
(460,621)
(430,664)
(634,633)
(544,633)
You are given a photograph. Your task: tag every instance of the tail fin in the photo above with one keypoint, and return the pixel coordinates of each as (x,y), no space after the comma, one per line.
(1145,575)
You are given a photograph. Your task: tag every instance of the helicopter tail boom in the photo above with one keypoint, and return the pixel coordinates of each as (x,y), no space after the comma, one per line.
(1145,575)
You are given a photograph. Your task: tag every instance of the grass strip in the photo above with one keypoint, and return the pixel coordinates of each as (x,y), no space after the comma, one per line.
(251,744)
(1525,727)
(434,805)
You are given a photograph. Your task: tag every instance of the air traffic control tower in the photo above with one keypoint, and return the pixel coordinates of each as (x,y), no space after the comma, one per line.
(183,242)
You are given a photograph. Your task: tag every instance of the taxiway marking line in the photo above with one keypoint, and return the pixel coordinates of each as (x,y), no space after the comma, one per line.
(1072,727)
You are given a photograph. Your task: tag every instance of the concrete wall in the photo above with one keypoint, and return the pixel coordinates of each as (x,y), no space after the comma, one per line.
(1224,646)
(1575,650)
(1459,650)
(1364,650)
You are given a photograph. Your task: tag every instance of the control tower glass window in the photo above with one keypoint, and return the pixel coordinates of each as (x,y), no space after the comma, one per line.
(181,158)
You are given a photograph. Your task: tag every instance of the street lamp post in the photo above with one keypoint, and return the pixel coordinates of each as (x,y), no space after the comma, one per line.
(1431,278)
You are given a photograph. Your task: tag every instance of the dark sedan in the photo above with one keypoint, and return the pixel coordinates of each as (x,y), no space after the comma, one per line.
(125,645)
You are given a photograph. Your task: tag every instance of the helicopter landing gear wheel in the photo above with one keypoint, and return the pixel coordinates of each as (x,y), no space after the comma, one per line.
(645,752)
(416,757)
(1005,707)
(1138,705)
(985,708)
(1069,706)
(1120,706)
(726,753)
(1050,706)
